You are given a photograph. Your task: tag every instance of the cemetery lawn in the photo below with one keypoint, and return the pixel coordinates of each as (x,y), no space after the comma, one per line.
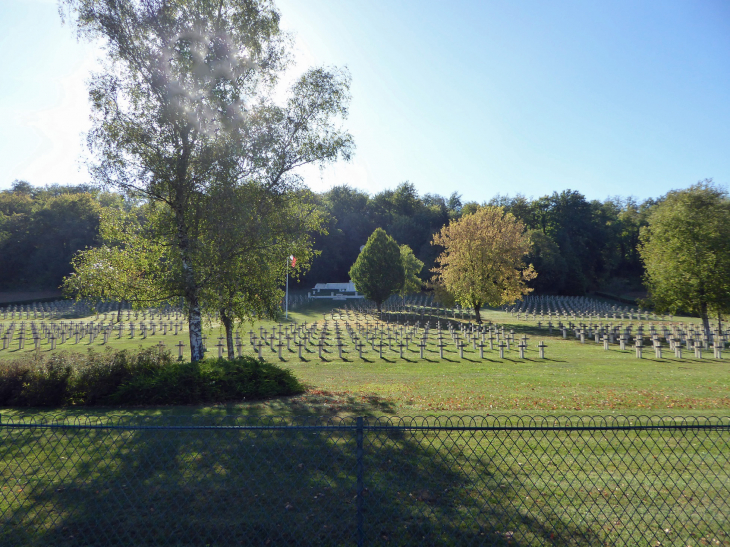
(573,381)
(575,378)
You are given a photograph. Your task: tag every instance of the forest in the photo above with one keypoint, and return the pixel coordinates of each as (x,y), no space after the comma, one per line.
(41,228)
(578,245)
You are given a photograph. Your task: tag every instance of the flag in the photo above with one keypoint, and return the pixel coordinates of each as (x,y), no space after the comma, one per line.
(293,260)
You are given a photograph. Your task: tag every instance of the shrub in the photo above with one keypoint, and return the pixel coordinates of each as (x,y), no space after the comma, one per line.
(46,384)
(207,381)
(34,382)
(148,376)
(100,375)
(12,378)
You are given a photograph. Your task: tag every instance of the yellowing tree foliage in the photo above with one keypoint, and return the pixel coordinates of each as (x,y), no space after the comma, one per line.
(482,261)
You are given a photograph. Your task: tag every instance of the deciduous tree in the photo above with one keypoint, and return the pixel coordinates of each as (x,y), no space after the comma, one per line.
(128,266)
(482,260)
(378,271)
(184,105)
(40,230)
(686,251)
(249,236)
(411,270)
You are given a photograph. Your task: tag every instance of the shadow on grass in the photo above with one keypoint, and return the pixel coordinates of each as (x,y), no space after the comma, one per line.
(262,486)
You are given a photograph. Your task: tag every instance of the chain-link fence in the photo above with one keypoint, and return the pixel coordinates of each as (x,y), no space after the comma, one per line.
(365,481)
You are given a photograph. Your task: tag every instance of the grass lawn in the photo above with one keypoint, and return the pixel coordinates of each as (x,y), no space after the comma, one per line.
(270,487)
(575,378)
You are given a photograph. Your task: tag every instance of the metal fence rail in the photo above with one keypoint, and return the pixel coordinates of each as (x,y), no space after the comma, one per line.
(365,481)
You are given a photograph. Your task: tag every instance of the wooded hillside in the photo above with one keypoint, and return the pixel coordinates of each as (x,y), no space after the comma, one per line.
(577,245)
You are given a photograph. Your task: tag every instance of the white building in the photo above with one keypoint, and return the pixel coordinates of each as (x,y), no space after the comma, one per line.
(335,291)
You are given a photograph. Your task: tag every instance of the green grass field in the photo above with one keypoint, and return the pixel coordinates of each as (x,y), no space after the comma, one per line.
(270,486)
(103,487)
(574,377)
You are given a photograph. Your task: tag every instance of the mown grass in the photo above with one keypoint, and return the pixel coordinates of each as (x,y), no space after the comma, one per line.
(575,377)
(299,486)
(271,487)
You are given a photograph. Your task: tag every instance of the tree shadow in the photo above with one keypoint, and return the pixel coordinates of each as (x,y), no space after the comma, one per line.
(152,481)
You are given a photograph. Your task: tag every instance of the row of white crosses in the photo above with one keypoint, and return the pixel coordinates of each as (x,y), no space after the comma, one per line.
(607,333)
(152,314)
(420,308)
(58,332)
(534,307)
(44,310)
(537,307)
(66,308)
(351,333)
(675,335)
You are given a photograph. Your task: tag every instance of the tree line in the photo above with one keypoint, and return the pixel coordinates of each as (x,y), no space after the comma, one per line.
(42,228)
(684,247)
(678,245)
(577,245)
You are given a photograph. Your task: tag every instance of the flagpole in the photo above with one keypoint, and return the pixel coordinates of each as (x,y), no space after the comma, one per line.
(286,301)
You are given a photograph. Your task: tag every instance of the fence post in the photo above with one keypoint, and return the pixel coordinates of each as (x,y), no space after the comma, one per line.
(360,531)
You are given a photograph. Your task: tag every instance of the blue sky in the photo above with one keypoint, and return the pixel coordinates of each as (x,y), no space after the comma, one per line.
(607,98)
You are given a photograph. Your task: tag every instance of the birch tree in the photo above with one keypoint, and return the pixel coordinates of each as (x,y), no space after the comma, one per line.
(184,105)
